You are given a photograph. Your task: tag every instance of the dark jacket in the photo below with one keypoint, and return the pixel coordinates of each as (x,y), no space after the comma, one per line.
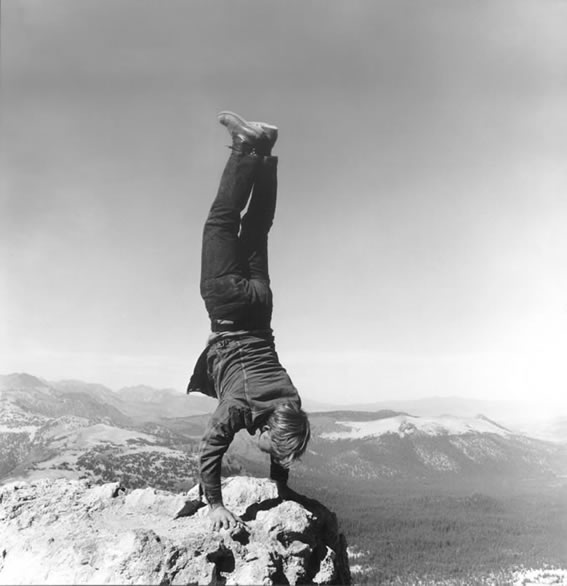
(243,371)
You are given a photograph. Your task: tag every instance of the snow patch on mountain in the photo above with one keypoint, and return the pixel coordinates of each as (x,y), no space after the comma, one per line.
(408,425)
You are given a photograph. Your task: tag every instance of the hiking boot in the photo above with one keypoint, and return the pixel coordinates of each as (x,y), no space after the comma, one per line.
(249,137)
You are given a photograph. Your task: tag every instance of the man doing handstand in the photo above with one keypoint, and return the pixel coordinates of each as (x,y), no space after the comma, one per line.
(240,365)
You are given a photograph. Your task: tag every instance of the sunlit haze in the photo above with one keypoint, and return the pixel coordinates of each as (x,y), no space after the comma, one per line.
(420,242)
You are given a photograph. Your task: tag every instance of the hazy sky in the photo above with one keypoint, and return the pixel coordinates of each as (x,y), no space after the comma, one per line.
(420,243)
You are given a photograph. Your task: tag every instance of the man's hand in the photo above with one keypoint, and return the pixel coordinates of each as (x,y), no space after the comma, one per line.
(223,519)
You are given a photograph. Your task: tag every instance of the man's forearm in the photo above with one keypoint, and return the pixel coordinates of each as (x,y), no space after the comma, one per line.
(278,473)
(220,432)
(211,461)
(213,494)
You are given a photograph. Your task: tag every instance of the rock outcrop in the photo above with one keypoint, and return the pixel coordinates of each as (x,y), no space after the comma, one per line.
(68,532)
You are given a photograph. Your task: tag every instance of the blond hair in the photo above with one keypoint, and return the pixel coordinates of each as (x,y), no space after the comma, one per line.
(289,433)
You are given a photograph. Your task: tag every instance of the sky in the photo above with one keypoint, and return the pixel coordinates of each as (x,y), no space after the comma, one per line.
(419,247)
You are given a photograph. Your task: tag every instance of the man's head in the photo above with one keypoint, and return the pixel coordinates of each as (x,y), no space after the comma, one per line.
(286,434)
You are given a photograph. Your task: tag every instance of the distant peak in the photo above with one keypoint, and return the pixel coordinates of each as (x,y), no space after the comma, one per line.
(21,380)
(147,388)
(491,421)
(146,393)
(137,388)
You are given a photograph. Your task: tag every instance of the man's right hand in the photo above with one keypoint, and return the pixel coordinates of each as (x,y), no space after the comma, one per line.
(222,518)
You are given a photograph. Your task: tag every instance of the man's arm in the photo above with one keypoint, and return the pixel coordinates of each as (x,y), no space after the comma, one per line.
(278,473)
(224,423)
(281,475)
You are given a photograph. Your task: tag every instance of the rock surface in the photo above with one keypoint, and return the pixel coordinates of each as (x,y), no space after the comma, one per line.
(68,532)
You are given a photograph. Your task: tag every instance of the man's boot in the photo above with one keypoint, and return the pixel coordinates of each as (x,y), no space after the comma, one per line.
(256,138)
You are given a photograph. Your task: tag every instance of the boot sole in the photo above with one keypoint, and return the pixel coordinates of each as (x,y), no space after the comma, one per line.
(245,123)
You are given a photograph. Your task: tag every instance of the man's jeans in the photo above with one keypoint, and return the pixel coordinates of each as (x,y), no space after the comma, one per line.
(235,282)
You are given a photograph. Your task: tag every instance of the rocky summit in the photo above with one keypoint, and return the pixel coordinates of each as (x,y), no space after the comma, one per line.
(69,532)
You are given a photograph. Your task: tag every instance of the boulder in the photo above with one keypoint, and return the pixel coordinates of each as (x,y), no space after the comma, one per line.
(69,532)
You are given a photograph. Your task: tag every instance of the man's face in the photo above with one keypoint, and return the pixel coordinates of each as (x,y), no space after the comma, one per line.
(265,441)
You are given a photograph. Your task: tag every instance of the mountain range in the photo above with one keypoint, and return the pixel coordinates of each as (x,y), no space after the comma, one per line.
(77,429)
(143,435)
(533,418)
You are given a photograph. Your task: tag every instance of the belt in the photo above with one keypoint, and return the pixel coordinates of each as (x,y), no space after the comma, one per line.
(226,325)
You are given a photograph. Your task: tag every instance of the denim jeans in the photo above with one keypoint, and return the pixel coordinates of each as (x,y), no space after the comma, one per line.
(235,282)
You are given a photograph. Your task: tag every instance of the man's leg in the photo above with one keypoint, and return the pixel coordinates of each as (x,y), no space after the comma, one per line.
(233,287)
(258,220)
(221,268)
(256,225)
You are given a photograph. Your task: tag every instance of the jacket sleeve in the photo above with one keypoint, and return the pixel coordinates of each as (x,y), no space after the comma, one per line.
(278,472)
(224,423)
